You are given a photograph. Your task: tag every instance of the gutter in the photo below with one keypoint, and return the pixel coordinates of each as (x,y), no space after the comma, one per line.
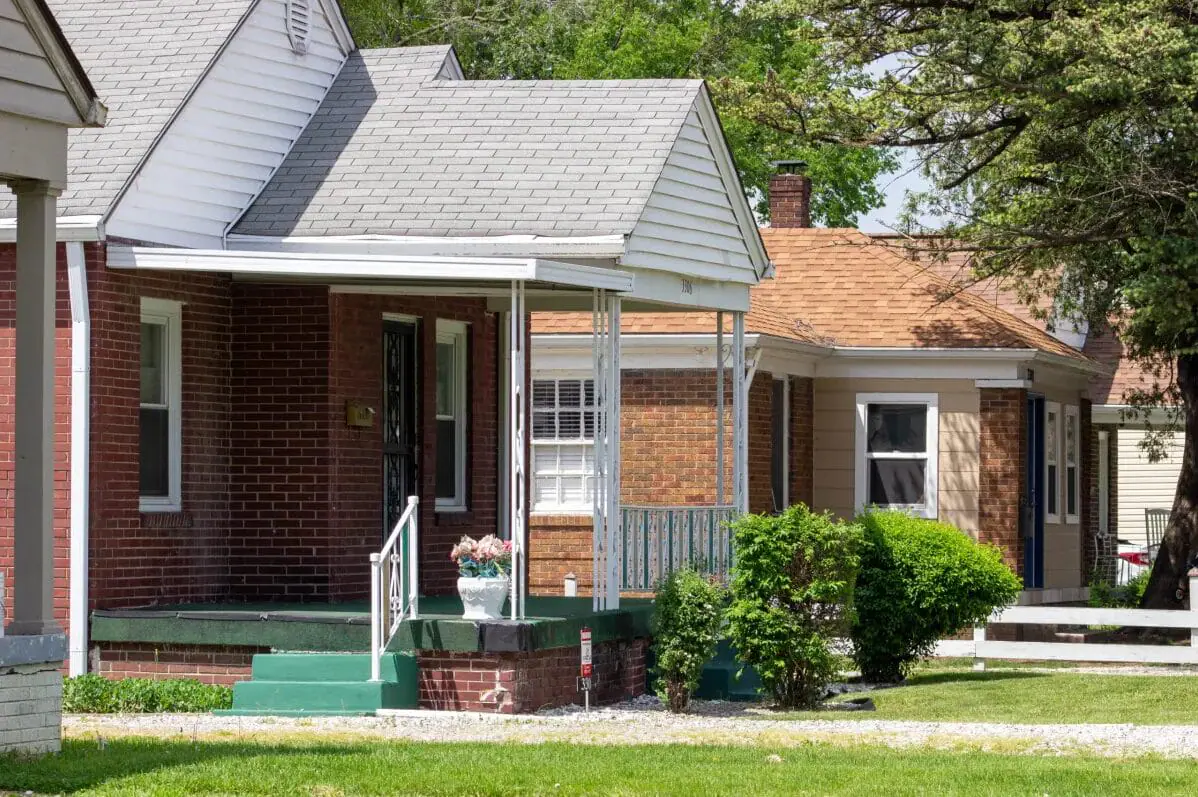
(80,454)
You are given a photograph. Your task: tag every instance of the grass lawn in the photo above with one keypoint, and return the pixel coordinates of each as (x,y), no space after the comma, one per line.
(1032,697)
(152,767)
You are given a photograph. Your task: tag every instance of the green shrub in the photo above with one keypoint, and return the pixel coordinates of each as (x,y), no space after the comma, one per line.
(921,580)
(687,618)
(93,694)
(1103,594)
(792,595)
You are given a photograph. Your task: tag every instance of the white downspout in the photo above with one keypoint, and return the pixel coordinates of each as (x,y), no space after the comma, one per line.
(80,452)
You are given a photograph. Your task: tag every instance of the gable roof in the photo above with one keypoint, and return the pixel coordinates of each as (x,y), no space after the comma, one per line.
(402,146)
(42,77)
(864,293)
(143,57)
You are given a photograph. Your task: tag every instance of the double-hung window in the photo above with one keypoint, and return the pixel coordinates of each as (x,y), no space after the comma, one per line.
(161,438)
(563,438)
(1072,465)
(451,416)
(896,452)
(1052,462)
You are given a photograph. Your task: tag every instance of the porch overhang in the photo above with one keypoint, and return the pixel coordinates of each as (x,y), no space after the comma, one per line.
(345,269)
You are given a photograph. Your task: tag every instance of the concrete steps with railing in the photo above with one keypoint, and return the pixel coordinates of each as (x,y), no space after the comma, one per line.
(325,684)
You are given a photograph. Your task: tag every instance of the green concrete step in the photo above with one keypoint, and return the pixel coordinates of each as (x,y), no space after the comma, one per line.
(719,682)
(329,666)
(311,684)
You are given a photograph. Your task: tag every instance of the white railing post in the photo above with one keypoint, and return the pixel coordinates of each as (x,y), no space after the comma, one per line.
(377,609)
(414,558)
(1193,595)
(979,637)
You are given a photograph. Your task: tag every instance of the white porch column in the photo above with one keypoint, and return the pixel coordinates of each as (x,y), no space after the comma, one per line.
(33,482)
(719,408)
(740,416)
(614,515)
(599,508)
(518,446)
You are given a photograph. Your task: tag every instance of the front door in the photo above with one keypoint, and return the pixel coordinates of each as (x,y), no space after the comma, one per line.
(1032,514)
(399,419)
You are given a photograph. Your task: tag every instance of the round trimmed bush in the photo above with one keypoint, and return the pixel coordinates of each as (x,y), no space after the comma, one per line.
(920,581)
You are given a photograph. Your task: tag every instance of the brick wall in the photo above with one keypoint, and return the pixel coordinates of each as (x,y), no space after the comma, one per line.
(211,664)
(1002,477)
(559,544)
(31,709)
(802,440)
(62,408)
(521,683)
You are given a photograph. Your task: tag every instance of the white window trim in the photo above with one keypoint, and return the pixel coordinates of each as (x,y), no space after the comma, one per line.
(1053,408)
(454,332)
(561,510)
(1071,411)
(929,508)
(169,314)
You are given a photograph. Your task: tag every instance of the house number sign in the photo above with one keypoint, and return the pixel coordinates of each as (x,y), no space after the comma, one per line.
(585,670)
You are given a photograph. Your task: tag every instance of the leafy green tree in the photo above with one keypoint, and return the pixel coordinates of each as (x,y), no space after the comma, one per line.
(1059,136)
(726,42)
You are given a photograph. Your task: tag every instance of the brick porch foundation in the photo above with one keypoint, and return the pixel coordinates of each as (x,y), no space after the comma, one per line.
(519,683)
(212,664)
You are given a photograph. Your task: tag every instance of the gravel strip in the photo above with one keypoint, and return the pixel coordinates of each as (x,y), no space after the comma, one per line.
(644,722)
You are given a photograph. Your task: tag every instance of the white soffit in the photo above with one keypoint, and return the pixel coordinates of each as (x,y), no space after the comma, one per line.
(368,267)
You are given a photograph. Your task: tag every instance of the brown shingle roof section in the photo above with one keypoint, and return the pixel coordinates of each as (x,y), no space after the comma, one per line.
(864,293)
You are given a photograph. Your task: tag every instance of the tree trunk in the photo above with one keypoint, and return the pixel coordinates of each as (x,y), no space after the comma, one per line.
(1166,585)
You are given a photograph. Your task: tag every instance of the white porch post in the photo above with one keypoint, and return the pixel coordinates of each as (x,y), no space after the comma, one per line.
(614,516)
(599,508)
(719,408)
(33,482)
(518,446)
(740,416)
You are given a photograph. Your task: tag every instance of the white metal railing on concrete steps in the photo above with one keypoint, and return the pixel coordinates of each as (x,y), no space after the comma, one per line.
(394,584)
(656,540)
(980,648)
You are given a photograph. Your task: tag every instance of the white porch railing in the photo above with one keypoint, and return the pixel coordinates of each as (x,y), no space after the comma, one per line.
(980,648)
(394,584)
(656,540)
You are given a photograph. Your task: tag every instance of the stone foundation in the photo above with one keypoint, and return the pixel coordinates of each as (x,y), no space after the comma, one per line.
(211,664)
(31,693)
(520,683)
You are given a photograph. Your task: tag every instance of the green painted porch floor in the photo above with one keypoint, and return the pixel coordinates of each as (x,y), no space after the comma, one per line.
(551,622)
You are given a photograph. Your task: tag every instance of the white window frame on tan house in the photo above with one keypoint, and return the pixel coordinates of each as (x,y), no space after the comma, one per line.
(168,316)
(1072,464)
(547,450)
(930,454)
(456,335)
(1052,462)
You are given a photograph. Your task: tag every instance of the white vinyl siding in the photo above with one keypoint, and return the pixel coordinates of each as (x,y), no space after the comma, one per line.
(1143,485)
(688,225)
(28,83)
(232,133)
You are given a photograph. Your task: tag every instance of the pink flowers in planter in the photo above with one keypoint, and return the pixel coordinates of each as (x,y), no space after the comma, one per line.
(489,557)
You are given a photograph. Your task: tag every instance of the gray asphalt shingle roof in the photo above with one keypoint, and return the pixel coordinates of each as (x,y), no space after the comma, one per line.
(143,56)
(396,150)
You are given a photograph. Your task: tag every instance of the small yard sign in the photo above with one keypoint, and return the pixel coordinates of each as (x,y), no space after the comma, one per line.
(585,670)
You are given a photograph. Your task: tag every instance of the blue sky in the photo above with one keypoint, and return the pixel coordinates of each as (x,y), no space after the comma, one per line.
(895,186)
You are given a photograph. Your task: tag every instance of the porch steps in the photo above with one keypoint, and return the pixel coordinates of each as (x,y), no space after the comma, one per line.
(719,682)
(325,684)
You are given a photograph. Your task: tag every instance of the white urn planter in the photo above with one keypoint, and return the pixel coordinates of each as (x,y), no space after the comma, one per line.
(482,598)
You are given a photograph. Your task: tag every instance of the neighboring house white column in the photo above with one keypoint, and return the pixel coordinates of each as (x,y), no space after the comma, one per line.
(33,482)
(740,416)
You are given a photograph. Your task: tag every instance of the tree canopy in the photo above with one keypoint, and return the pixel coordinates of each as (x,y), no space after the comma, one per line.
(1059,136)
(726,42)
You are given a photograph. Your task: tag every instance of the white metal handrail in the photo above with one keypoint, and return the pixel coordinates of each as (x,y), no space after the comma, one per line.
(390,602)
(657,540)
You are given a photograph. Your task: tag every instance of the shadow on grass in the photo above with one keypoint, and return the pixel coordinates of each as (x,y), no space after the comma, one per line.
(933,678)
(85,764)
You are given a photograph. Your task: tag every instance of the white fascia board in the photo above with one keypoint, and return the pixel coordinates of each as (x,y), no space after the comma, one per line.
(68,228)
(341,32)
(662,288)
(569,353)
(849,362)
(1113,415)
(330,266)
(594,246)
(92,112)
(736,192)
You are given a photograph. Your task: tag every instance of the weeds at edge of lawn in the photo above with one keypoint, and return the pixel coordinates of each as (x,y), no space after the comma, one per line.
(172,768)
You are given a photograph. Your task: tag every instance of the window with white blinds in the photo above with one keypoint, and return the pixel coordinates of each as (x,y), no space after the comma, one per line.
(563,435)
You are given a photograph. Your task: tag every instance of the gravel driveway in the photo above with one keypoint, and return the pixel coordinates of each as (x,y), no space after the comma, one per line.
(644,722)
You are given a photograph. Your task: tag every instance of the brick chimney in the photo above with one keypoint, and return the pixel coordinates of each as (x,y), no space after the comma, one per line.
(790,195)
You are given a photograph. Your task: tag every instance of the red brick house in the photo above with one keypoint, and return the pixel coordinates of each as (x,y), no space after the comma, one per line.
(293,287)
(868,384)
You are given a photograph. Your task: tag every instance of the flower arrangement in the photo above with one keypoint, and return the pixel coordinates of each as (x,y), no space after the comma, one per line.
(489,557)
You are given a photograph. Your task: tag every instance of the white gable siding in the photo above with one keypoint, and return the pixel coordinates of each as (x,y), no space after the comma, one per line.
(688,226)
(232,133)
(28,84)
(1143,484)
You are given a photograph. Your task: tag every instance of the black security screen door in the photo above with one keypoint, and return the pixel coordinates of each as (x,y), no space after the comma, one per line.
(399,419)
